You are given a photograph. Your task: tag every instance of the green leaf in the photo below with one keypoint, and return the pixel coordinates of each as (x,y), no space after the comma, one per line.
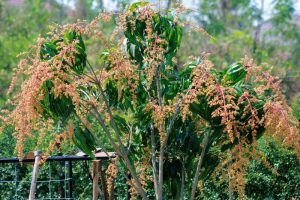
(234,73)
(85,141)
(138,5)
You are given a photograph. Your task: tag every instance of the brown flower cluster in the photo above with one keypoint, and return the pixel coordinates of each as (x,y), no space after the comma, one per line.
(160,114)
(111,176)
(242,115)
(28,114)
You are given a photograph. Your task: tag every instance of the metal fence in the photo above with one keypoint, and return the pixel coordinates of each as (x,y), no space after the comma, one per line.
(60,177)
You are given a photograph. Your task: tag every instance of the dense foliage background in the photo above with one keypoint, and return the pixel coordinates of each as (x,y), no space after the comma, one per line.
(268,31)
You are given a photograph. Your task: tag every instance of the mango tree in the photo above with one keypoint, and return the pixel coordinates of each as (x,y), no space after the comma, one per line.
(172,125)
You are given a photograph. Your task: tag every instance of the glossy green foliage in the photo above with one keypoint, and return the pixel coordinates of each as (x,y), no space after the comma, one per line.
(231,23)
(58,108)
(162,26)
(261,181)
(232,77)
(85,141)
(234,73)
(61,107)
(51,49)
(184,143)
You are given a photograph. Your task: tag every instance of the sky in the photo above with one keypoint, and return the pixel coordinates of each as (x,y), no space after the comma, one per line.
(112,5)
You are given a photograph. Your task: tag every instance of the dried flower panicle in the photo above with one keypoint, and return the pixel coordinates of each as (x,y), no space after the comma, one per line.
(243,115)
(28,114)
(111,176)
(160,115)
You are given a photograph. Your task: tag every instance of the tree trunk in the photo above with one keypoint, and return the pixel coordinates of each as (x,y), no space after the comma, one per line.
(169,4)
(199,165)
(182,180)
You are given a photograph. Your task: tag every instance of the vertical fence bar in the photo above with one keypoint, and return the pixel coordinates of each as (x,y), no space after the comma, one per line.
(68,174)
(17,178)
(49,183)
(70,179)
(37,155)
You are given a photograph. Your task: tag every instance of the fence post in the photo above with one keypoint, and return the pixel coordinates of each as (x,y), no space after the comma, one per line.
(95,179)
(102,178)
(37,155)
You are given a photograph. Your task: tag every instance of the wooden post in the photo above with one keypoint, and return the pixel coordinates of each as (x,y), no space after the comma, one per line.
(95,179)
(37,155)
(103,182)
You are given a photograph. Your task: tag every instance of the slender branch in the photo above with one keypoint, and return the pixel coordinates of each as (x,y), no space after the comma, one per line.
(129,139)
(162,146)
(153,148)
(169,129)
(137,184)
(162,151)
(159,92)
(149,95)
(120,150)
(110,159)
(106,131)
(164,143)
(96,140)
(112,120)
(160,173)
(199,165)
(154,161)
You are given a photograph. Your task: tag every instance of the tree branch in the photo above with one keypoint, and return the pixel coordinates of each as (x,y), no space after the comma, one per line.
(153,158)
(162,148)
(199,165)
(159,93)
(162,151)
(182,179)
(129,166)
(112,120)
